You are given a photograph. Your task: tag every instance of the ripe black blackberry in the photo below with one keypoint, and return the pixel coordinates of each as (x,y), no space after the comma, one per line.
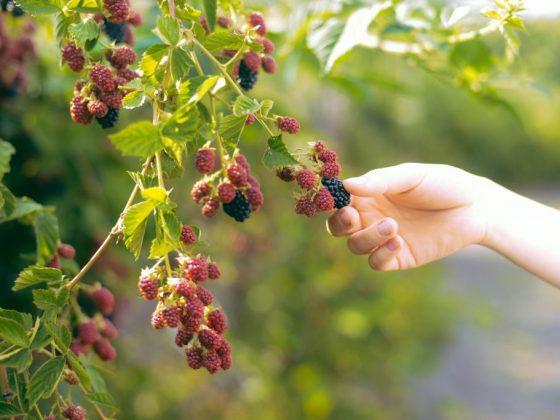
(337,190)
(116,31)
(247,78)
(239,208)
(109,120)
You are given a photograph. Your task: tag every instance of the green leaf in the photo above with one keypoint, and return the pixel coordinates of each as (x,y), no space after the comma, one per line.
(139,139)
(79,369)
(223,40)
(84,31)
(134,99)
(6,152)
(492,14)
(180,63)
(152,58)
(266,107)
(84,6)
(7,202)
(135,221)
(210,8)
(40,7)
(183,124)
(19,359)
(157,194)
(244,106)
(169,29)
(20,317)
(34,275)
(277,155)
(61,336)
(45,299)
(41,339)
(8,410)
(23,207)
(44,380)
(102,398)
(231,127)
(13,332)
(46,235)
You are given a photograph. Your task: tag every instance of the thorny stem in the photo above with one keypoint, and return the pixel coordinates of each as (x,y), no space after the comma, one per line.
(114,232)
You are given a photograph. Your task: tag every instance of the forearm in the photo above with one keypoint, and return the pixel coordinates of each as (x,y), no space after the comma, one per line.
(524,231)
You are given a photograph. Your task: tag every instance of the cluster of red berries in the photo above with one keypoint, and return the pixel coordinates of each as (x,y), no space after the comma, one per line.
(101,97)
(118,21)
(238,191)
(288,125)
(99,331)
(184,304)
(321,190)
(72,412)
(15,53)
(64,251)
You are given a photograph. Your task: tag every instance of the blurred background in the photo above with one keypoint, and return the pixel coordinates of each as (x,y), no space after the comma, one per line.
(315,333)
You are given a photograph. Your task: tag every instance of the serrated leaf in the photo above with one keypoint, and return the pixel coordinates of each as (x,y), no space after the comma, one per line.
(102,398)
(60,335)
(46,235)
(45,379)
(169,29)
(183,124)
(40,7)
(8,410)
(244,106)
(180,64)
(34,275)
(134,241)
(84,31)
(138,139)
(266,107)
(134,99)
(135,221)
(152,58)
(19,359)
(22,318)
(8,202)
(45,299)
(224,40)
(277,155)
(23,208)
(155,193)
(210,9)
(41,339)
(79,369)
(231,127)
(6,152)
(13,332)
(84,6)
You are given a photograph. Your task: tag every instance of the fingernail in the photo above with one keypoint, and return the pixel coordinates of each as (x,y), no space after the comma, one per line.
(393,244)
(384,228)
(345,219)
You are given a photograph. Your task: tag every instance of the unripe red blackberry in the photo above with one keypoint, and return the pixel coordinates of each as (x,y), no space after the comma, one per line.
(223,21)
(253,182)
(226,361)
(327,156)
(200,190)
(226,192)
(255,198)
(97,108)
(269,65)
(217,321)
(182,338)
(74,57)
(78,348)
(330,170)
(104,300)
(87,332)
(135,18)
(54,263)
(204,23)
(121,57)
(323,200)
(103,78)
(306,179)
(71,378)
(305,206)
(185,288)
(66,251)
(188,236)
(286,174)
(228,53)
(210,207)
(209,339)
(104,350)
(250,119)
(256,20)
(79,111)
(213,271)
(129,37)
(237,174)
(108,330)
(235,69)
(127,74)
(148,286)
(252,60)
(205,160)
(194,309)
(211,361)
(241,159)
(225,355)
(194,357)
(205,296)
(112,99)
(158,321)
(192,325)
(172,316)
(319,146)
(74,412)
(288,124)
(268,45)
(118,9)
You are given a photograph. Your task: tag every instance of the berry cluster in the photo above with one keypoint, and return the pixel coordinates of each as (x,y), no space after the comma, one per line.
(321,190)
(97,332)
(72,412)
(15,53)
(184,304)
(118,21)
(237,190)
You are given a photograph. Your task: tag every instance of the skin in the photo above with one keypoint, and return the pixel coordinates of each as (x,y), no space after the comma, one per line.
(405,216)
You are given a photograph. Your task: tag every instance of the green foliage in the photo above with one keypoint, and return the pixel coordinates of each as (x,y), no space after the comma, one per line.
(277,155)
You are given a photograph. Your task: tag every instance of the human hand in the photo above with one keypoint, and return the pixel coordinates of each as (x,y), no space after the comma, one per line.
(411,214)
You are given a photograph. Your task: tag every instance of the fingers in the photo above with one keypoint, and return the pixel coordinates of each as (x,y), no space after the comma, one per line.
(344,222)
(391,180)
(385,257)
(375,235)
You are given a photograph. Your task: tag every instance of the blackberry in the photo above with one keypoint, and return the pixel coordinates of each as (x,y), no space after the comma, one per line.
(338,192)
(255,198)
(108,330)
(288,124)
(200,190)
(103,78)
(127,74)
(148,287)
(191,325)
(103,299)
(250,119)
(121,57)
(213,271)
(194,357)
(239,208)
(54,263)
(269,65)
(196,269)
(246,77)
(66,251)
(286,174)
(209,339)
(252,60)
(172,316)
(253,182)
(97,108)
(194,309)
(223,21)
(256,20)
(205,295)
(323,200)
(74,412)
(71,377)
(217,321)
(330,170)
(205,160)
(319,146)
(112,99)
(135,18)
(237,174)
(188,236)
(327,156)
(119,9)
(182,338)
(185,288)
(87,332)
(211,361)
(74,56)
(78,348)
(241,159)
(158,321)
(109,120)
(116,31)
(211,207)
(79,110)
(268,45)
(306,179)
(104,349)
(226,192)
(305,206)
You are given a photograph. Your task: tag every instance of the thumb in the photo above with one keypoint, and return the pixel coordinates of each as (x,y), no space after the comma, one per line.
(390,180)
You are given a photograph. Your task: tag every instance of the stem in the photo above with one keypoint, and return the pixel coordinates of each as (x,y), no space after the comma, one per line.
(4,379)
(38,412)
(109,238)
(95,406)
